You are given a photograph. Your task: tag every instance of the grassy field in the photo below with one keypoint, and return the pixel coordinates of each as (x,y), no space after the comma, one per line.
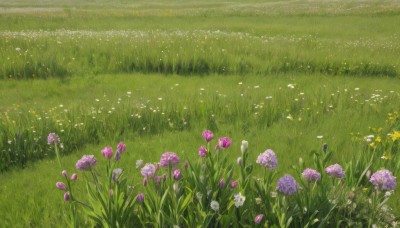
(156,75)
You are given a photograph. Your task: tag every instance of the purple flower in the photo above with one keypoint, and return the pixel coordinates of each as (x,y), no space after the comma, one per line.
(383,180)
(148,170)
(177,174)
(222,183)
(53,138)
(61,186)
(64,173)
(216,148)
(287,185)
(224,142)
(86,162)
(74,176)
(144,181)
(268,159)
(117,155)
(121,147)
(202,151)
(335,171)
(258,218)
(107,152)
(169,159)
(186,164)
(66,197)
(311,175)
(140,197)
(157,179)
(208,135)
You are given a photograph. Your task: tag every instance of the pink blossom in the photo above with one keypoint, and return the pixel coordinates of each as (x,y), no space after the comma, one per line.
(169,159)
(61,186)
(208,135)
(107,152)
(86,162)
(224,142)
(202,151)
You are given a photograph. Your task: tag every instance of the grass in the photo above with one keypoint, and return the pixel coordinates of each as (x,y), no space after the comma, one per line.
(156,74)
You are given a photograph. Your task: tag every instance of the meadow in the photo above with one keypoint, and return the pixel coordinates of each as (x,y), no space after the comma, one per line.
(285,75)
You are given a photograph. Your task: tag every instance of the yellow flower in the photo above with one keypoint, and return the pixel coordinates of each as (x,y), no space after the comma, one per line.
(395,136)
(378,139)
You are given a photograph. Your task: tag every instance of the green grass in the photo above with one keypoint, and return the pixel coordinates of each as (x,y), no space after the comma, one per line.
(156,74)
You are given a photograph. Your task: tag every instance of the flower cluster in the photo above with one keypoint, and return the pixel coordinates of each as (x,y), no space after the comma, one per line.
(335,171)
(86,162)
(287,185)
(311,175)
(268,159)
(383,180)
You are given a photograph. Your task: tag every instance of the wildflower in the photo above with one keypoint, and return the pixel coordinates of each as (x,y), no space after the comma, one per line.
(216,148)
(177,174)
(222,183)
(244,146)
(148,170)
(121,147)
(383,180)
(311,175)
(116,174)
(139,163)
(144,181)
(224,142)
(66,197)
(324,147)
(287,185)
(64,174)
(186,164)
(335,171)
(208,135)
(117,155)
(61,186)
(86,162)
(268,159)
(107,152)
(239,199)
(140,197)
(239,161)
(157,179)
(169,159)
(214,205)
(53,138)
(202,151)
(258,218)
(258,201)
(233,184)
(74,176)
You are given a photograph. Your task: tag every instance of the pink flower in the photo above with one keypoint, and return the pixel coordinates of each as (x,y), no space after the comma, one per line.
(202,151)
(208,135)
(61,186)
(311,175)
(169,159)
(335,171)
(74,176)
(239,161)
(121,147)
(383,180)
(258,218)
(234,184)
(186,164)
(107,152)
(86,162)
(177,174)
(222,183)
(287,185)
(53,138)
(144,181)
(66,197)
(224,142)
(64,173)
(268,159)
(148,170)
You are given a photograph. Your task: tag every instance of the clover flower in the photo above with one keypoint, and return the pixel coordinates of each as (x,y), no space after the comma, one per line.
(53,138)
(148,170)
(268,159)
(383,180)
(335,171)
(311,175)
(208,135)
(86,162)
(169,159)
(239,199)
(287,185)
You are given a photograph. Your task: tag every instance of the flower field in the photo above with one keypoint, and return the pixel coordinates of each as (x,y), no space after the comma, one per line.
(199,114)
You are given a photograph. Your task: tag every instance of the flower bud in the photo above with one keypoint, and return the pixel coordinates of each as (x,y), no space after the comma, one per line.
(258,218)
(140,197)
(239,161)
(177,174)
(66,197)
(64,174)
(61,186)
(244,146)
(186,164)
(222,183)
(144,181)
(234,184)
(74,176)
(121,147)
(202,151)
(107,152)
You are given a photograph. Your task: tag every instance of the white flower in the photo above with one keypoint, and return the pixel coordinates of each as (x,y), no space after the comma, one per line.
(320,137)
(291,86)
(239,199)
(214,205)
(139,163)
(244,146)
(258,201)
